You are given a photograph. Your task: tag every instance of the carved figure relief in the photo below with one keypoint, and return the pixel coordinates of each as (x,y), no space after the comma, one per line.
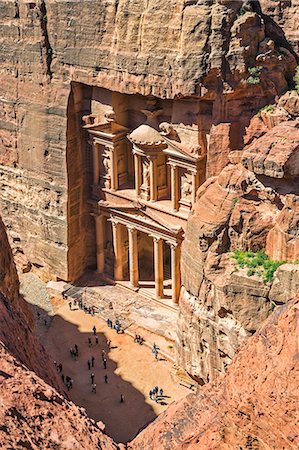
(145,174)
(186,187)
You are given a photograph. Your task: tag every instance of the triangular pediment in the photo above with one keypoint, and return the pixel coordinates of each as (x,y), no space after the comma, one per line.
(139,213)
(177,149)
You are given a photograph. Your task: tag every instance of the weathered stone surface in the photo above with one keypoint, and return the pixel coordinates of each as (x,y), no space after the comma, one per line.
(35,415)
(286,283)
(221,305)
(258,393)
(276,154)
(286,15)
(283,240)
(53,52)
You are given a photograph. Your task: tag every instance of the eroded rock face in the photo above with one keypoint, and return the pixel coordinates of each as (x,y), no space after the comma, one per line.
(54,52)
(276,154)
(258,393)
(35,415)
(16,320)
(221,305)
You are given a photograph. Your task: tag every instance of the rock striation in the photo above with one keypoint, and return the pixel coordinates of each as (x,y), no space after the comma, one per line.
(16,321)
(254,405)
(54,54)
(249,207)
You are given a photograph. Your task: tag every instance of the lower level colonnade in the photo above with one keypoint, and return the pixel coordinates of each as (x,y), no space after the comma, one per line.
(130,249)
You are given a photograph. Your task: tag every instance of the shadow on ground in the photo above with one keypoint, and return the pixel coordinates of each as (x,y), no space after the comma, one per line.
(123,421)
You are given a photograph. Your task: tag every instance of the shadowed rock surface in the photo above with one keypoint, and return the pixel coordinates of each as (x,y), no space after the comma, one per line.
(254,405)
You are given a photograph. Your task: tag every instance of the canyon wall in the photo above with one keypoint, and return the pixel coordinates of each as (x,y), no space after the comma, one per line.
(16,321)
(250,206)
(53,52)
(253,406)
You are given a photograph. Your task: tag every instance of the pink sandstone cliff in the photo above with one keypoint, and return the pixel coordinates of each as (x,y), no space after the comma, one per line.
(253,406)
(54,52)
(251,205)
(34,412)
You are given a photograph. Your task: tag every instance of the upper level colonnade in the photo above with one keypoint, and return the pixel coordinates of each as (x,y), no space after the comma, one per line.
(147,160)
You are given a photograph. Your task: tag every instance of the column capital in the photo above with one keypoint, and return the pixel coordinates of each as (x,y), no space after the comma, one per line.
(172,164)
(131,229)
(156,238)
(114,222)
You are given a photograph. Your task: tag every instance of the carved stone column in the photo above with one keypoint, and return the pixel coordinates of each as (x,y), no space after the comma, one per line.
(153,179)
(133,257)
(100,242)
(175,272)
(174,187)
(96,164)
(114,174)
(117,247)
(138,174)
(158,261)
(194,186)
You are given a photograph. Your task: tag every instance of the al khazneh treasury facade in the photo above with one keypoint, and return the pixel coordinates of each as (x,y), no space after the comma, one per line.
(145,180)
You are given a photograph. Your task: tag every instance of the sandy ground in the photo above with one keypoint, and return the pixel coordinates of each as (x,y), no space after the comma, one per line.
(132,371)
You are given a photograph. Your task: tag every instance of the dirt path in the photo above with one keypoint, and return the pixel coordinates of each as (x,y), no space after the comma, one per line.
(132,371)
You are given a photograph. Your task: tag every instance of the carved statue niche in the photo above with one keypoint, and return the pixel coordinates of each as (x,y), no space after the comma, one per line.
(106,168)
(145,174)
(186,187)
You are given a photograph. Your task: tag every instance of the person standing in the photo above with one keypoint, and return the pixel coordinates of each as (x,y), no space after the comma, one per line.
(106,379)
(103,354)
(122,398)
(76,350)
(97,340)
(92,377)
(94,388)
(94,330)
(105,363)
(92,361)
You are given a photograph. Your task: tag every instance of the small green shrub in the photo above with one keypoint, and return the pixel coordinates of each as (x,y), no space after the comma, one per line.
(267,108)
(254,73)
(242,11)
(254,260)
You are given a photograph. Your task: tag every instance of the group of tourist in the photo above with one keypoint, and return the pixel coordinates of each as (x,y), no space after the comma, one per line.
(155,394)
(117,326)
(68,381)
(81,305)
(139,339)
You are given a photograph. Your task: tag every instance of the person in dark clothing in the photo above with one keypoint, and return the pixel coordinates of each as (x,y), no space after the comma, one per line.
(92,377)
(97,340)
(76,350)
(105,363)
(94,330)
(92,361)
(106,379)
(94,388)
(89,342)
(122,398)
